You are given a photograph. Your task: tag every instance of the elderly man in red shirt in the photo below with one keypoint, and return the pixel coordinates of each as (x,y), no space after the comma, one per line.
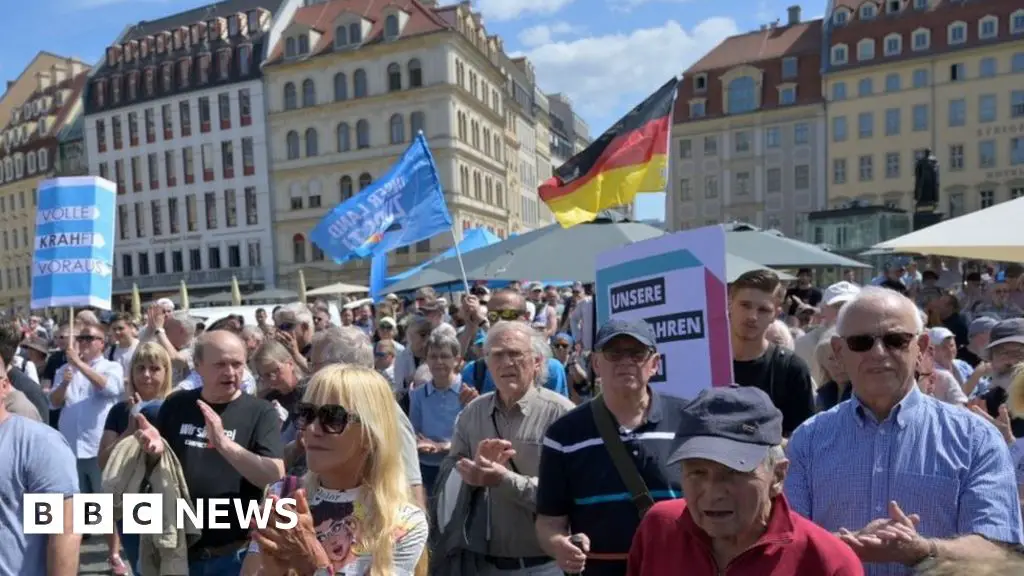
(734,519)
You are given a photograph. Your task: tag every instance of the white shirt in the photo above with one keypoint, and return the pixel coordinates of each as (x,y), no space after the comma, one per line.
(581,323)
(86,406)
(404,367)
(29,368)
(123,356)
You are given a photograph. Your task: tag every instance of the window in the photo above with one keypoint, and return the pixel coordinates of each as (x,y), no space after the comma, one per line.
(345,187)
(359,83)
(416,75)
(741,95)
(152,166)
(920,113)
(213,257)
(308,93)
(391,27)
(1017,104)
(711,187)
(191,213)
(1017,63)
(787,96)
(922,39)
(802,177)
(341,36)
(988,27)
(892,121)
(774,177)
(355,33)
(1016,151)
(892,165)
(893,45)
(251,210)
(839,171)
(685,191)
(312,142)
(892,82)
(920,78)
(866,168)
(292,145)
(741,141)
(957,112)
(957,33)
(417,122)
(867,11)
(839,54)
(206,156)
(224,110)
(133,129)
(394,77)
(801,133)
(397,127)
(865,125)
(342,132)
(710,145)
(230,208)
(697,109)
(700,83)
(150,125)
(742,183)
(988,67)
(290,48)
(227,158)
(772,138)
(986,198)
(210,201)
(957,73)
(244,59)
(865,87)
(840,17)
(987,154)
(1017,22)
(122,224)
(789,68)
(340,87)
(839,129)
(303,44)
(866,50)
(956,157)
(126,267)
(204,114)
(364,181)
(188,165)
(185,117)
(987,109)
(140,220)
(290,97)
(838,91)
(362,134)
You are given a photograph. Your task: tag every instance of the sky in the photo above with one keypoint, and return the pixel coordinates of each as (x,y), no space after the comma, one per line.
(606,55)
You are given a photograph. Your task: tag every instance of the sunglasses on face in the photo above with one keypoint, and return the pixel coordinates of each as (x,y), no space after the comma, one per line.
(638,355)
(286,327)
(87,338)
(507,315)
(333,418)
(560,345)
(891,341)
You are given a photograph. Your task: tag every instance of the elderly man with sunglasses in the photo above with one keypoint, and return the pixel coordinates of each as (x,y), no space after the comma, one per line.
(899,476)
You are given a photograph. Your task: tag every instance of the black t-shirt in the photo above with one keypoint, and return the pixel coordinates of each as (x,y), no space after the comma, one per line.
(288,402)
(53,363)
(785,378)
(22,383)
(251,422)
(810,296)
(118,417)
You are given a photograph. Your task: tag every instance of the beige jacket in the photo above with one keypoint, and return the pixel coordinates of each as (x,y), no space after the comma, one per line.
(17,403)
(163,554)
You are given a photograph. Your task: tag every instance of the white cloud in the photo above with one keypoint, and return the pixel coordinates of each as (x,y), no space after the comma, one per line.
(545,33)
(628,5)
(605,76)
(500,10)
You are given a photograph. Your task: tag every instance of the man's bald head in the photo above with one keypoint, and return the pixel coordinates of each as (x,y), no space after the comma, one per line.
(219,340)
(875,299)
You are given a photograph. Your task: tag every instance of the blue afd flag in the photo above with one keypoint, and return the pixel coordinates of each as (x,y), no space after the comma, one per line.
(74,243)
(400,208)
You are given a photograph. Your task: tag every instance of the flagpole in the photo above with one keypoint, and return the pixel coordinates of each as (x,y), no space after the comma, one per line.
(462,265)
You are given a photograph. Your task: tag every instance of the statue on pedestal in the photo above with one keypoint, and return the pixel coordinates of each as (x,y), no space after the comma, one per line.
(926,181)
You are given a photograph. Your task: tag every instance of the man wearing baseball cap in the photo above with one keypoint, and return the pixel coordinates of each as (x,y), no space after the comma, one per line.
(729,446)
(832,301)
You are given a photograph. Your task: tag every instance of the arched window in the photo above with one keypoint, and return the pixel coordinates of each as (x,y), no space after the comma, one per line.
(394,77)
(355,33)
(340,87)
(308,93)
(341,36)
(44,159)
(298,249)
(741,95)
(344,140)
(391,27)
(30,159)
(417,122)
(292,145)
(312,142)
(415,73)
(290,99)
(362,134)
(497,148)
(345,187)
(397,126)
(359,83)
(364,180)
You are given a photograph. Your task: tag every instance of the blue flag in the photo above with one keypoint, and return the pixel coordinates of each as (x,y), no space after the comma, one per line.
(74,243)
(378,276)
(400,208)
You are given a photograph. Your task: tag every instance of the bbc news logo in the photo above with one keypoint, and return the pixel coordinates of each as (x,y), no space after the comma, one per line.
(144,513)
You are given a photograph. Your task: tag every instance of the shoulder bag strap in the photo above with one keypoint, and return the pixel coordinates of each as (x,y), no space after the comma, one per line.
(497,433)
(623,462)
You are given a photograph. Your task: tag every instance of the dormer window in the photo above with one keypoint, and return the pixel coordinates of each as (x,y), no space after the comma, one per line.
(233,25)
(893,45)
(204,69)
(160,44)
(290,48)
(868,11)
(1017,22)
(866,49)
(957,33)
(700,83)
(355,33)
(166,78)
(224,64)
(144,47)
(149,81)
(133,85)
(341,36)
(184,73)
(840,54)
(253,17)
(99,89)
(841,17)
(922,39)
(111,55)
(391,27)
(177,40)
(115,89)
(789,68)
(304,44)
(893,6)
(920,4)
(988,27)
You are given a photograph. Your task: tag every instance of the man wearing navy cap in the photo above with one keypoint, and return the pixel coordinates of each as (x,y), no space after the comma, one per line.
(580,490)
(734,514)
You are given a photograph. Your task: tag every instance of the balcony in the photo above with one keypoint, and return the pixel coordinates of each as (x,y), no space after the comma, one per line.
(195,279)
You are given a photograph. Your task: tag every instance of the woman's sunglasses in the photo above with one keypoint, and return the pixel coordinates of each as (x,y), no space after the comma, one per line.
(333,418)
(507,315)
(891,341)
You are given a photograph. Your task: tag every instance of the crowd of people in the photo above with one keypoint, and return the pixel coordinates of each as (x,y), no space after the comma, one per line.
(870,430)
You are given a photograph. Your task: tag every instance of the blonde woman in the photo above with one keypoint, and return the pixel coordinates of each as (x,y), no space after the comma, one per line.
(147,384)
(357,516)
(834,386)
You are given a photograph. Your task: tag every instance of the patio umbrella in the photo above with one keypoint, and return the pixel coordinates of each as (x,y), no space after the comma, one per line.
(272,294)
(136,302)
(236,292)
(989,234)
(183,294)
(781,252)
(338,288)
(302,287)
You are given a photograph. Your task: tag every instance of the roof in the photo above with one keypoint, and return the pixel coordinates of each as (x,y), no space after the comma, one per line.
(321,17)
(75,130)
(761,45)
(201,14)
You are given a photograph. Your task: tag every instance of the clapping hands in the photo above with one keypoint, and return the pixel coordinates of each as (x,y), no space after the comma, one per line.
(892,539)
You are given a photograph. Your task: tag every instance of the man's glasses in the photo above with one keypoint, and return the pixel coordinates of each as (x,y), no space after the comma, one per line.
(87,338)
(560,345)
(638,355)
(286,327)
(507,315)
(891,341)
(333,418)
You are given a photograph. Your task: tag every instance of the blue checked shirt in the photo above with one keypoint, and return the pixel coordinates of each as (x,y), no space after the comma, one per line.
(934,459)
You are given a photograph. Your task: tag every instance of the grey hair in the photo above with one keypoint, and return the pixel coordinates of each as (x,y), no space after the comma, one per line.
(782,336)
(299,311)
(344,345)
(444,330)
(188,323)
(775,455)
(442,340)
(538,345)
(873,294)
(252,332)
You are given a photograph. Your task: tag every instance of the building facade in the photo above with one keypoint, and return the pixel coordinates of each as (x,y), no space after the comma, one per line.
(520,85)
(903,77)
(749,132)
(349,87)
(175,116)
(50,90)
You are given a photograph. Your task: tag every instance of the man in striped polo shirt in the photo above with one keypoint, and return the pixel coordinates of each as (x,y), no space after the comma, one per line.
(580,492)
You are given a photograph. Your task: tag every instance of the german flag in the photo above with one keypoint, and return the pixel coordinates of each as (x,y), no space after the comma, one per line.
(630,158)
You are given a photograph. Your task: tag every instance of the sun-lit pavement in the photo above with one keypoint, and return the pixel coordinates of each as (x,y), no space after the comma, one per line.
(93,560)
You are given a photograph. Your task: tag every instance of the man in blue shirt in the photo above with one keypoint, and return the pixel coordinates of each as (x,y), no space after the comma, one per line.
(510,306)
